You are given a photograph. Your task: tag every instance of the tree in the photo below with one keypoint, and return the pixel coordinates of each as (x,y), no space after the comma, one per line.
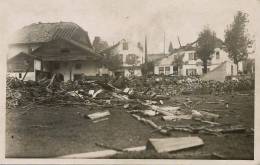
(111,61)
(206,45)
(99,44)
(237,39)
(170,50)
(147,67)
(178,62)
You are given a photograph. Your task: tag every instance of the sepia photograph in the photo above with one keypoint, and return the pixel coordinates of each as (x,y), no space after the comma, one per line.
(129,79)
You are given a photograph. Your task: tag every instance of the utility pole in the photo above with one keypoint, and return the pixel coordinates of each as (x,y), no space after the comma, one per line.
(179,41)
(145,50)
(164,43)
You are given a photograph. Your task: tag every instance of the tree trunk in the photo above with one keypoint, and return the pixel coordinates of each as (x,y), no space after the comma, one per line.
(237,68)
(205,69)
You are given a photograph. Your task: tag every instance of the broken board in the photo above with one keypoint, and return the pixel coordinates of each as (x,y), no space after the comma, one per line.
(173,144)
(98,115)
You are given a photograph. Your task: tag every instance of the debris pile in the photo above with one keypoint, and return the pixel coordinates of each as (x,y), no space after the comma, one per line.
(143,88)
(171,86)
(54,92)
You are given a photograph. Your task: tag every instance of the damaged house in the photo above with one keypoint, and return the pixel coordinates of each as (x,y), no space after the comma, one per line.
(183,61)
(63,48)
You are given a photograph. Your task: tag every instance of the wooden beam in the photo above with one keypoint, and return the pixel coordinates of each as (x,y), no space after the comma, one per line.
(173,144)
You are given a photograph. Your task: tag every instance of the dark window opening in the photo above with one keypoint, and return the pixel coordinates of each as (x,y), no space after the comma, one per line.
(125,46)
(20,75)
(191,72)
(217,55)
(56,65)
(77,77)
(161,70)
(64,50)
(78,66)
(191,56)
(65,64)
(167,70)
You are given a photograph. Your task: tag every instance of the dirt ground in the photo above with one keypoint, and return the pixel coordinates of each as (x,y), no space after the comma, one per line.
(51,131)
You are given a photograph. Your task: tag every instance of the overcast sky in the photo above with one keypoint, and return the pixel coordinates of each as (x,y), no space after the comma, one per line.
(130,19)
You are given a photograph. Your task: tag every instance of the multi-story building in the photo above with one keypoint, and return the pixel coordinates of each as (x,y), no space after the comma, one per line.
(191,64)
(132,56)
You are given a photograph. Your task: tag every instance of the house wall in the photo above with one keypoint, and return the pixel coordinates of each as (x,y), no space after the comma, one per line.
(137,72)
(132,49)
(198,69)
(29,75)
(220,72)
(196,64)
(67,69)
(19,75)
(157,69)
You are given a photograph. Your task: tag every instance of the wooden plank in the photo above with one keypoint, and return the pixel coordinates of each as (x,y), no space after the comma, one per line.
(92,155)
(102,154)
(136,149)
(173,144)
(98,115)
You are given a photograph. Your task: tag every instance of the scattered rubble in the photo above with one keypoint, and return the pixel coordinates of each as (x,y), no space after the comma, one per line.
(152,89)
(143,98)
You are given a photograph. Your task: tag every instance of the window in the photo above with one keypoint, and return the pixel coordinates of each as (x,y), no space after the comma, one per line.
(20,75)
(65,64)
(64,50)
(77,77)
(78,66)
(195,56)
(125,46)
(161,70)
(191,72)
(56,65)
(167,70)
(120,56)
(191,56)
(217,55)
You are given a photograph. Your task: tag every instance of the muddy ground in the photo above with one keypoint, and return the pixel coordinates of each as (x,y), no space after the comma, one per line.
(51,131)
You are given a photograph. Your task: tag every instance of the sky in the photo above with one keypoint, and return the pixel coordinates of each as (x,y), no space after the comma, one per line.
(114,20)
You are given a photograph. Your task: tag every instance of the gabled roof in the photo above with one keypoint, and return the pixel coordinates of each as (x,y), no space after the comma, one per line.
(109,48)
(22,55)
(55,54)
(45,32)
(22,62)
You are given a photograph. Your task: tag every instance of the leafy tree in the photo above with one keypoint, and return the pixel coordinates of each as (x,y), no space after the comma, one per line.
(237,39)
(99,44)
(205,46)
(111,61)
(147,68)
(178,62)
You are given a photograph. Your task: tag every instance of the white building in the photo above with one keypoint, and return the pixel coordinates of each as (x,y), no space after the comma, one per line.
(191,64)
(132,56)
